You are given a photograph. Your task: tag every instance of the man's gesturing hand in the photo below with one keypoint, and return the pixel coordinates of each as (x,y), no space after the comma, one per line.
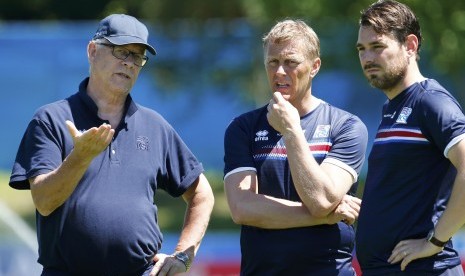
(91,142)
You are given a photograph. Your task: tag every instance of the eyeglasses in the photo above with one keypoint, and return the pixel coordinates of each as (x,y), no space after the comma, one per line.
(122,53)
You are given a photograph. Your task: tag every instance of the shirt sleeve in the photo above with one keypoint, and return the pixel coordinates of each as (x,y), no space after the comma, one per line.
(39,152)
(181,167)
(237,148)
(349,146)
(443,120)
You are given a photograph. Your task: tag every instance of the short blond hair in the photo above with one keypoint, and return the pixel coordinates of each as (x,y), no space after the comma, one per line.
(291,30)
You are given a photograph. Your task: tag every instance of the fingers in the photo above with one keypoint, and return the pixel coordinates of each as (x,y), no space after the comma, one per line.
(282,115)
(347,211)
(277,97)
(159,260)
(349,220)
(356,200)
(403,255)
(408,250)
(98,137)
(352,200)
(405,262)
(275,100)
(398,253)
(106,133)
(103,132)
(350,216)
(355,203)
(351,208)
(352,205)
(166,265)
(72,129)
(91,142)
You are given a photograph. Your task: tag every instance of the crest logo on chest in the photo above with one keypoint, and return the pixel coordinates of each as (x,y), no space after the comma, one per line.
(403,116)
(142,143)
(322,131)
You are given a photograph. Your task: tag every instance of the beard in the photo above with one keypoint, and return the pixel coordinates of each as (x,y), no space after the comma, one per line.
(392,76)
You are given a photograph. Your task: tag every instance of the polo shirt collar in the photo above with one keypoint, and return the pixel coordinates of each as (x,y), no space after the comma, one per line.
(129,109)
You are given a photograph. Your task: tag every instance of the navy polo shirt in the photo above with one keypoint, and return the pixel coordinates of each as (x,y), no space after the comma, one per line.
(108,226)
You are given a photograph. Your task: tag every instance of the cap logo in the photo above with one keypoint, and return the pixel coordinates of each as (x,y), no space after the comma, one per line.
(101,33)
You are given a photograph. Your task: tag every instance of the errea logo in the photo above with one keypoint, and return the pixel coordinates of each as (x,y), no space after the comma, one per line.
(262,135)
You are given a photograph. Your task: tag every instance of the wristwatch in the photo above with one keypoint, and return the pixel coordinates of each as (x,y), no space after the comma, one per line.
(435,241)
(184,258)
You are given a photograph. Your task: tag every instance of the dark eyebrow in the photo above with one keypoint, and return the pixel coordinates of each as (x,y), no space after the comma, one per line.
(373,43)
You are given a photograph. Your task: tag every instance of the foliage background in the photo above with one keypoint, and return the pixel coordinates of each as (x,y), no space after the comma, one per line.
(443,21)
(443,25)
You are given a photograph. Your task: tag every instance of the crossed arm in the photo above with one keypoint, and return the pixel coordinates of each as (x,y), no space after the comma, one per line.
(320,187)
(250,208)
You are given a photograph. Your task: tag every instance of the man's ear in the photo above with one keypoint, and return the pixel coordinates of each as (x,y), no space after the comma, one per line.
(315,67)
(91,50)
(411,42)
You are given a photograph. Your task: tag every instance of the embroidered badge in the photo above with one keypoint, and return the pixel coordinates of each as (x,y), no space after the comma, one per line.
(403,116)
(322,131)
(142,143)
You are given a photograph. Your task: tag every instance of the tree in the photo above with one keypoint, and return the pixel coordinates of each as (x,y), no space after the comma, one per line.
(443,22)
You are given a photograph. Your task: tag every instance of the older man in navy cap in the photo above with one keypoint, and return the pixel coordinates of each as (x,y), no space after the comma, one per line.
(94,161)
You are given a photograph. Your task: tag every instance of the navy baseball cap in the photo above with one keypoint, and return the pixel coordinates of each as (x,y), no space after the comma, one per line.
(122,29)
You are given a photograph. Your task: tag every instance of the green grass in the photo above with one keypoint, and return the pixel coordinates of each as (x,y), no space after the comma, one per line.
(19,201)
(171,210)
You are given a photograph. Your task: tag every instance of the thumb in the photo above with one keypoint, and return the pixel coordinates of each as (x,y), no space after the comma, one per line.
(277,96)
(72,129)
